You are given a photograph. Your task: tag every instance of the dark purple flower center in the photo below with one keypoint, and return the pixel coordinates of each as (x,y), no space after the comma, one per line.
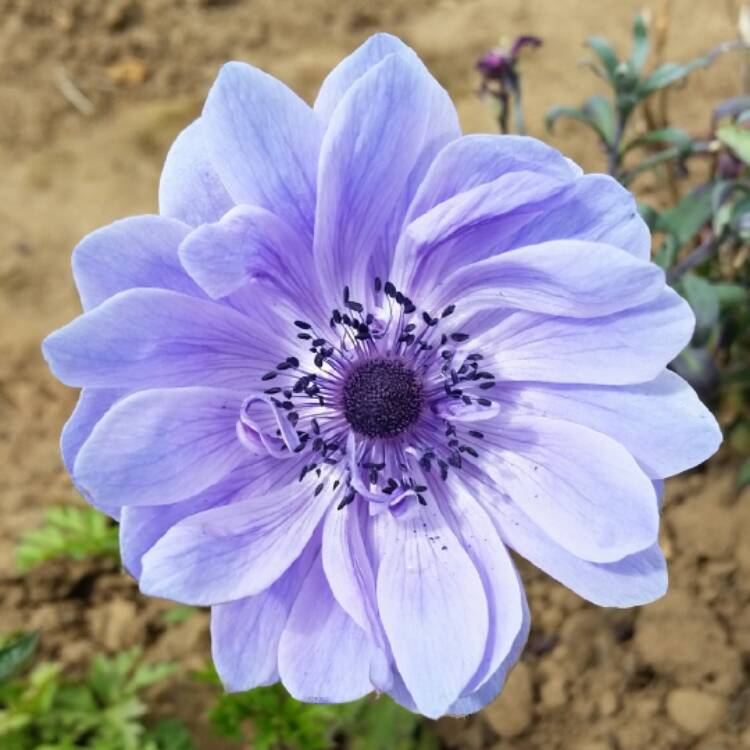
(382,397)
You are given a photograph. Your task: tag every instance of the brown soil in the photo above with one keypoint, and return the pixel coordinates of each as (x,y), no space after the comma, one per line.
(671,675)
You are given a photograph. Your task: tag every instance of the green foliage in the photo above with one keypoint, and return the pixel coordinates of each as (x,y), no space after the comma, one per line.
(630,87)
(70,532)
(736,138)
(381,724)
(15,653)
(272,719)
(705,232)
(47,710)
(177,614)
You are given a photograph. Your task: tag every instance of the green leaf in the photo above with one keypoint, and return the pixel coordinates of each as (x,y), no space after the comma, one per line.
(704,301)
(16,654)
(554,114)
(675,136)
(606,55)
(581,115)
(70,531)
(178,614)
(103,711)
(641,43)
(665,255)
(740,218)
(171,734)
(600,112)
(669,73)
(736,138)
(382,724)
(683,221)
(730,295)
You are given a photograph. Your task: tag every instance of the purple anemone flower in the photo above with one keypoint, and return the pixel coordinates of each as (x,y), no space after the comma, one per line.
(354,360)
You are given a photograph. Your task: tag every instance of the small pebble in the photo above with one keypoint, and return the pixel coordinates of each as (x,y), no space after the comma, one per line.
(695,711)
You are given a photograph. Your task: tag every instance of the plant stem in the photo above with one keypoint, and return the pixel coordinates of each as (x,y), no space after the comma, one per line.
(697,256)
(674,152)
(518,111)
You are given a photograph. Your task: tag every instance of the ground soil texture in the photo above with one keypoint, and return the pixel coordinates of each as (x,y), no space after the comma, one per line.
(671,675)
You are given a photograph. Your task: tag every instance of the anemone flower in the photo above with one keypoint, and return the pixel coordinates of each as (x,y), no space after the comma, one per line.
(354,360)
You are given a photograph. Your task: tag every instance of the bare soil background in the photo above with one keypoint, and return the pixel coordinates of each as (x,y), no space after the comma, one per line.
(671,675)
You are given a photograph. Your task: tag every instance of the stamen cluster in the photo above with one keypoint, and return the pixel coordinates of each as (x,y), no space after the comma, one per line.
(378,403)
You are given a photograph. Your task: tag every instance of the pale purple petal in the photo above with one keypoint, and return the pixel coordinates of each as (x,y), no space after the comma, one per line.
(245,634)
(596,208)
(433,607)
(324,656)
(348,567)
(634,580)
(159,446)
(573,278)
(476,159)
(378,144)
(477,700)
(137,252)
(150,338)
(263,142)
(580,487)
(470,226)
(473,528)
(141,526)
(190,189)
(251,243)
(661,422)
(239,550)
(628,347)
(93,404)
(352,68)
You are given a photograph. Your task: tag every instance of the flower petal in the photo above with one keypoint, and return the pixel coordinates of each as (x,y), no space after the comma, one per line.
(252,243)
(137,252)
(190,189)
(632,346)
(353,67)
(433,607)
(324,656)
(473,528)
(662,422)
(141,526)
(93,404)
(476,159)
(580,487)
(636,579)
(596,208)
(159,446)
(472,702)
(380,141)
(573,278)
(263,141)
(145,338)
(257,538)
(348,567)
(477,700)
(470,226)
(245,634)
